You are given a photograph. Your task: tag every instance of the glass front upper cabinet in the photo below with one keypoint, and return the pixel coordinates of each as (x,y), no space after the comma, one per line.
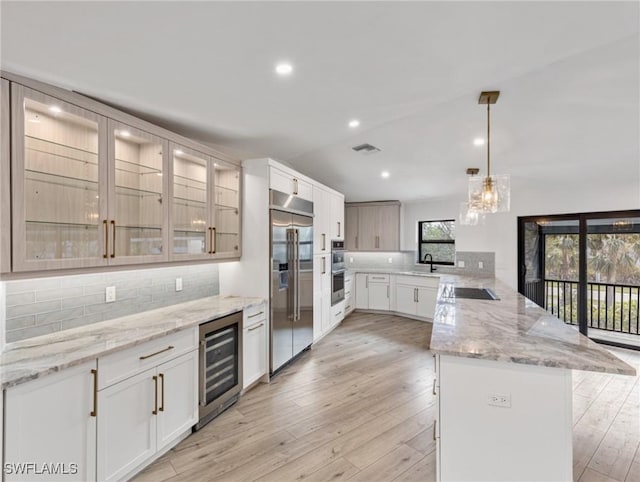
(191,214)
(226,197)
(138,207)
(58,182)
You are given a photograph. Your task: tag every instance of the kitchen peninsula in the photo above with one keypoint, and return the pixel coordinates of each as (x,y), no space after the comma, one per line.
(504,385)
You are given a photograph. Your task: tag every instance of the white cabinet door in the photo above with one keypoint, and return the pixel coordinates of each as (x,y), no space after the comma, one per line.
(321,212)
(426,305)
(326,296)
(254,355)
(362,291)
(406,299)
(290,184)
(379,296)
(177,398)
(49,421)
(126,425)
(336,218)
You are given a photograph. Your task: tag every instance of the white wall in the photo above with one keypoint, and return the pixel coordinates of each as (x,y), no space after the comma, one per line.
(499,234)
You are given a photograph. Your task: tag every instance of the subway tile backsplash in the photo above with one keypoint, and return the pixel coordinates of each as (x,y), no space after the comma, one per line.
(407,261)
(40,306)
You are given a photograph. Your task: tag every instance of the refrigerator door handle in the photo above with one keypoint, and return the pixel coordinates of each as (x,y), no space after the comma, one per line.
(291,273)
(296,241)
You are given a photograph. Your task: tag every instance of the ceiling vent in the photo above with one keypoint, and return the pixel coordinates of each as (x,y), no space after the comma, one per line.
(366,149)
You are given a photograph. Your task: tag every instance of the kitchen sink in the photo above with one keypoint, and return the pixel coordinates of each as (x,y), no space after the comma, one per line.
(474,293)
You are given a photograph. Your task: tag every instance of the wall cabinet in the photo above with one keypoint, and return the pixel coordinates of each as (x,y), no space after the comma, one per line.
(289,183)
(254,345)
(373,226)
(416,296)
(373,292)
(205,194)
(88,190)
(328,221)
(50,420)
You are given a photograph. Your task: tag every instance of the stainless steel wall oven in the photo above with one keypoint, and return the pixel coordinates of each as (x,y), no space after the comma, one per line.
(337,271)
(220,380)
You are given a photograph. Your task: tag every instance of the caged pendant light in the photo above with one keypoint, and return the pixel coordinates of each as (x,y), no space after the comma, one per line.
(489,194)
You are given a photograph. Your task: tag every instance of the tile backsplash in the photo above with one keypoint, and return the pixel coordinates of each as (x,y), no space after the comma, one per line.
(45,305)
(407,260)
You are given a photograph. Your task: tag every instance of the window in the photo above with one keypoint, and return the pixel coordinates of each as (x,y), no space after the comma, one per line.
(438,239)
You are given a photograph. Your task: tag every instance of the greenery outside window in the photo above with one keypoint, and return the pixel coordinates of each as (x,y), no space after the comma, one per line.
(438,239)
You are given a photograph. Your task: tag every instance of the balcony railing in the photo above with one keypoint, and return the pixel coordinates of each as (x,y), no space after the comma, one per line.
(609,307)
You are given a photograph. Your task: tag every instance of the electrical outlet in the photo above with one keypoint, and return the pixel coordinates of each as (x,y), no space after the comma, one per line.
(110,294)
(460,264)
(497,400)
(480,265)
(178,284)
(390,260)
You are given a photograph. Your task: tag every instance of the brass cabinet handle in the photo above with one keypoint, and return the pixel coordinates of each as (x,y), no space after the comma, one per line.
(256,314)
(295,186)
(324,265)
(106,239)
(161,375)
(356,242)
(210,241)
(338,228)
(213,240)
(255,327)
(387,291)
(434,429)
(324,241)
(377,241)
(379,277)
(113,235)
(366,279)
(144,357)
(155,395)
(94,412)
(434,386)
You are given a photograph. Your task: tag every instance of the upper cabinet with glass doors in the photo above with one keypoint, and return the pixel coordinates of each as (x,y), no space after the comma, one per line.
(90,191)
(205,218)
(59,184)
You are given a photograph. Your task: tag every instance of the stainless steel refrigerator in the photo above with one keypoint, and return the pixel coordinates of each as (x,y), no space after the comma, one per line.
(291,277)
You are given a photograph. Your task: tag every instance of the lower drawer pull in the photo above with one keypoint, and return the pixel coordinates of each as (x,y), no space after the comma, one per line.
(256,314)
(256,327)
(434,386)
(144,357)
(434,429)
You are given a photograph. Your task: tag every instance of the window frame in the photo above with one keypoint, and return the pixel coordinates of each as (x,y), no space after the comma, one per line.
(439,241)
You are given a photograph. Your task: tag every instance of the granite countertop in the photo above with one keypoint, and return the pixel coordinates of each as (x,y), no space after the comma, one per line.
(33,358)
(512,329)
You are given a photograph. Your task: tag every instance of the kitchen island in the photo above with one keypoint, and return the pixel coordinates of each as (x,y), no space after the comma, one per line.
(503,385)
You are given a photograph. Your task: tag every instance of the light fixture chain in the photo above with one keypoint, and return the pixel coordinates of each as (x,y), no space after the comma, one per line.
(488,139)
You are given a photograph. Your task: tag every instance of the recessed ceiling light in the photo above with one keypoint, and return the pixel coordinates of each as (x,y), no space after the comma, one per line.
(178,152)
(125,133)
(55,109)
(354,123)
(385,174)
(478,141)
(284,68)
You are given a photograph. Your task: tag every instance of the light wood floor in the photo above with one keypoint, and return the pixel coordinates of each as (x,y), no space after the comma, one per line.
(358,406)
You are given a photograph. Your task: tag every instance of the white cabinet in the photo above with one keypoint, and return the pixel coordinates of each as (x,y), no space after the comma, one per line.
(416,295)
(50,420)
(254,345)
(322,317)
(336,219)
(290,183)
(337,313)
(148,401)
(373,226)
(373,292)
(349,298)
(328,221)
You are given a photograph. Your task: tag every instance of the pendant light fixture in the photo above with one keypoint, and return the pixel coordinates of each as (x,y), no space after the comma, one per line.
(469,217)
(489,194)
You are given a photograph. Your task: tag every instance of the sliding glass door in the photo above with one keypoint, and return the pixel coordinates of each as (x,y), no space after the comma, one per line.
(585,269)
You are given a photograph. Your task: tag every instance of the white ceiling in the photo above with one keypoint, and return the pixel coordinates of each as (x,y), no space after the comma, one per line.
(569,73)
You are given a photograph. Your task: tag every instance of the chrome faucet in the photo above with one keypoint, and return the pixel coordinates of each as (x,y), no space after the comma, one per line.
(424,260)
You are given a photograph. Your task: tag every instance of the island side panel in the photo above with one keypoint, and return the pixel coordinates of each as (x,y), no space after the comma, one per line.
(529,441)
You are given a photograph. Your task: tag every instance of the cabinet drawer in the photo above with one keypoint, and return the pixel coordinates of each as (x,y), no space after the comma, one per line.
(422,281)
(123,364)
(378,278)
(337,312)
(253,315)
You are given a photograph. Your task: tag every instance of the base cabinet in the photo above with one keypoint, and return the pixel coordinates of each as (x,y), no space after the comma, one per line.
(416,296)
(254,346)
(143,414)
(373,292)
(49,421)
